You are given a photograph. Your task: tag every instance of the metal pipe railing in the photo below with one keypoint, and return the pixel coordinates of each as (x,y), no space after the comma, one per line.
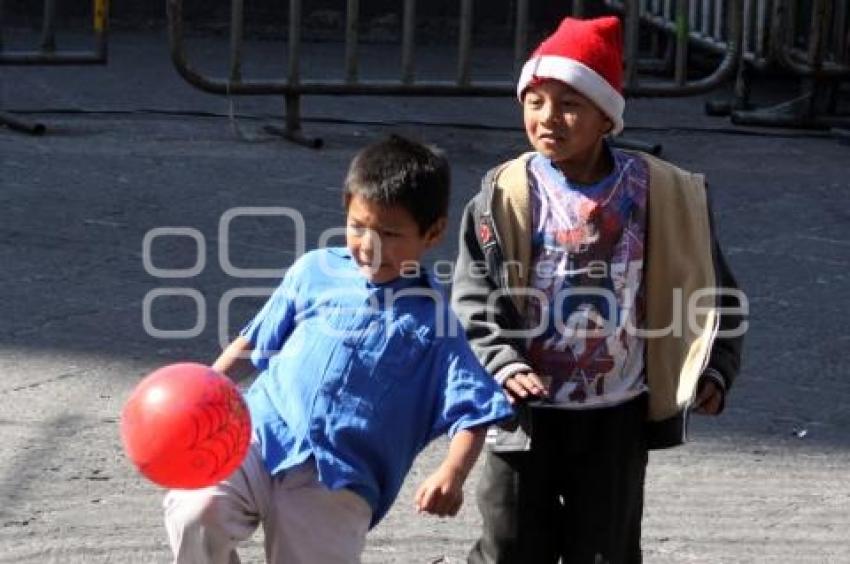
(408,41)
(521,34)
(724,72)
(464,42)
(237,26)
(294,38)
(2,12)
(840,31)
(21,126)
(48,28)
(761,33)
(631,25)
(352,28)
(295,85)
(578,8)
(755,28)
(820,64)
(680,75)
(811,64)
(49,54)
(718,20)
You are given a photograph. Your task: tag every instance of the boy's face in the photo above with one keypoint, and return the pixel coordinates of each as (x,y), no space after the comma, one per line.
(384,240)
(561,123)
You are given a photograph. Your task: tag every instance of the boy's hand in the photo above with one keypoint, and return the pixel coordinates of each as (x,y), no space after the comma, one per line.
(524,386)
(441,493)
(709,398)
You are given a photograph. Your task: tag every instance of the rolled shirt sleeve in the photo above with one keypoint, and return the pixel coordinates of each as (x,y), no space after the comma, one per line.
(471,396)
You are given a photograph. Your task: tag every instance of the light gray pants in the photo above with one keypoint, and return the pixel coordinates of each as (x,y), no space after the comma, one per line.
(304,522)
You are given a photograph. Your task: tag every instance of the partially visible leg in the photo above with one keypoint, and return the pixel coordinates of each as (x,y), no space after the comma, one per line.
(604,499)
(309,524)
(520,512)
(205,525)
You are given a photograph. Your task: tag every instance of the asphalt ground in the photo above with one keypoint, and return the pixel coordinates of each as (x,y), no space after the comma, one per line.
(131,148)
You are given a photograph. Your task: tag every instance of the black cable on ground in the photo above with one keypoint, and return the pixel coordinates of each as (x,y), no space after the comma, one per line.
(784,133)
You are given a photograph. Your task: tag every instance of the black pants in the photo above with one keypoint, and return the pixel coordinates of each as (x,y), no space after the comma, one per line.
(576,496)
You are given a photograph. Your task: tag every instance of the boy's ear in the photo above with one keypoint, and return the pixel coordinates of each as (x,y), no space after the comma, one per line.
(435,232)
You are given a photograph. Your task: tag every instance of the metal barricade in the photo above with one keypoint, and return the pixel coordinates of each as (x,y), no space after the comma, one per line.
(702,20)
(816,52)
(808,40)
(719,29)
(49,54)
(824,54)
(293,87)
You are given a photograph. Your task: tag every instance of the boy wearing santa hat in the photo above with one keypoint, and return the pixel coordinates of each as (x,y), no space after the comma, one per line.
(591,287)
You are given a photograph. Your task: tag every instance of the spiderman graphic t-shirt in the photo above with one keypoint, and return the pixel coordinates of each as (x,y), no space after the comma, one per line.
(587,273)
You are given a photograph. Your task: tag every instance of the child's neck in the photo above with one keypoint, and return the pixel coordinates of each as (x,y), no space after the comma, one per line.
(589,168)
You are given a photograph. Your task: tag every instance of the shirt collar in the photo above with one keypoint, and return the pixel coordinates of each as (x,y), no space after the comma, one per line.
(424,278)
(615,171)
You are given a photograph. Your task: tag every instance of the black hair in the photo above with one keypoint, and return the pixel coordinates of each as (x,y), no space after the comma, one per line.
(398,171)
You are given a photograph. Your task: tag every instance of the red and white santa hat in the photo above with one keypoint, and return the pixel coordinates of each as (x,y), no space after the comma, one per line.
(587,55)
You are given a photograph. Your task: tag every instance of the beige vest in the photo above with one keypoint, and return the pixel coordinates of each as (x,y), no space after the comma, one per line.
(681,316)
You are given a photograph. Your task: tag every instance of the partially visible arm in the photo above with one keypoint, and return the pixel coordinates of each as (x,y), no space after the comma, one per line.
(464,449)
(266,333)
(484,319)
(234,361)
(725,356)
(442,492)
(725,359)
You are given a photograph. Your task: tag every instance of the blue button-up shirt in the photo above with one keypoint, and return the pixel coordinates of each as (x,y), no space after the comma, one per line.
(361,376)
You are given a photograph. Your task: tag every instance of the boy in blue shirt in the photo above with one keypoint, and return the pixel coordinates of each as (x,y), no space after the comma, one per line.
(362,365)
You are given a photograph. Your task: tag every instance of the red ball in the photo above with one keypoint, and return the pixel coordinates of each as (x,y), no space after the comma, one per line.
(186,426)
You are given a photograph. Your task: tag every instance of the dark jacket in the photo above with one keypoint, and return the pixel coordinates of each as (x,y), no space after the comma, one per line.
(682,256)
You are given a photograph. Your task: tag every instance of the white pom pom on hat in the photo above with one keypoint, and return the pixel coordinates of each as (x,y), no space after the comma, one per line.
(588,56)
